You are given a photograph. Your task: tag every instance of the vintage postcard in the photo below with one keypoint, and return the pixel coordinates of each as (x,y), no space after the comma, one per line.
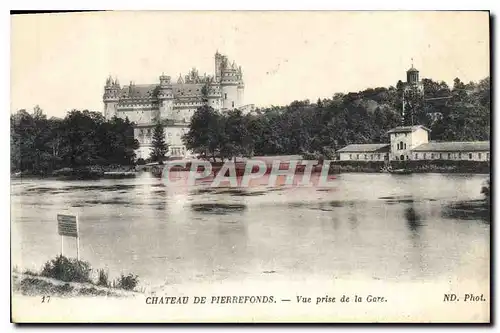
(264,167)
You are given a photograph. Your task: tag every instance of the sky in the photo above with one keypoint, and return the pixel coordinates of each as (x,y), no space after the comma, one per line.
(61,61)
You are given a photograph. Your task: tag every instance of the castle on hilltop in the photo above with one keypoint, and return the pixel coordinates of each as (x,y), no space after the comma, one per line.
(174,104)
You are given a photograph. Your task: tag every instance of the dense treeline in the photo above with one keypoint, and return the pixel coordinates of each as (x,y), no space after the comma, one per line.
(459,113)
(40,145)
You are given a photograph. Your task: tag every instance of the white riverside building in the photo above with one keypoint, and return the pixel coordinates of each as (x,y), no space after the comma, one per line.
(412,143)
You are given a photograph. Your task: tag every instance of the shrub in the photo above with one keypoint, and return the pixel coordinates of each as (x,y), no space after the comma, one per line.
(127,282)
(103,279)
(67,270)
(29,272)
(486,190)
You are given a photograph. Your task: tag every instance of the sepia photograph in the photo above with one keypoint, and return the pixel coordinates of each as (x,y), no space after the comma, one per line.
(250,167)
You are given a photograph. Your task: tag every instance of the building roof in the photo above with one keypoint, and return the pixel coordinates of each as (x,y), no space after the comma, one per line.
(412,69)
(407,129)
(187,88)
(365,148)
(454,146)
(138,91)
(145,91)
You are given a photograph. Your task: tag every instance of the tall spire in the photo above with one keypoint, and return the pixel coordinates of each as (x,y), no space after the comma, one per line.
(180,80)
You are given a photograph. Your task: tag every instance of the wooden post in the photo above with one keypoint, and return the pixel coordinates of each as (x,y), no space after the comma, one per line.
(78,247)
(77,238)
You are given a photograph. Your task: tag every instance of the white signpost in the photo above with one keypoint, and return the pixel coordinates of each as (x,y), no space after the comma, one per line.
(67,225)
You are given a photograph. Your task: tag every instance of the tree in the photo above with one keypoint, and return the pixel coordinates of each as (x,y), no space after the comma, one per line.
(236,135)
(206,133)
(160,147)
(83,138)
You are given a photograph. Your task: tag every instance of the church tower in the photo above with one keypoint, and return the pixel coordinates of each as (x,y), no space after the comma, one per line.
(412,76)
(111,97)
(413,80)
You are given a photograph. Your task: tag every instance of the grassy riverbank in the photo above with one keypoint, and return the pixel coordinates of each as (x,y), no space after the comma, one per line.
(65,277)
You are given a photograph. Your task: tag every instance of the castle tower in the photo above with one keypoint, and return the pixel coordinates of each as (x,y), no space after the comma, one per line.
(111,97)
(219,59)
(241,88)
(229,82)
(214,95)
(165,98)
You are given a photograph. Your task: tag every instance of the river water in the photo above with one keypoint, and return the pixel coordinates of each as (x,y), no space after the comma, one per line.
(366,226)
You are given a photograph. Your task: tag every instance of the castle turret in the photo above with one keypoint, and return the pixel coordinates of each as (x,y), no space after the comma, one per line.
(219,58)
(165,97)
(214,95)
(241,87)
(111,97)
(229,82)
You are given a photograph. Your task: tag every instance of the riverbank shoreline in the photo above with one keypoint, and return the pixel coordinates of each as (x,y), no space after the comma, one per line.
(336,167)
(35,285)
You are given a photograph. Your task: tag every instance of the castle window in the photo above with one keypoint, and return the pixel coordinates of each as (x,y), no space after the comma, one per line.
(449,156)
(225,95)
(440,157)
(350,156)
(371,156)
(425,156)
(416,156)
(232,104)
(366,157)
(459,155)
(405,145)
(357,156)
(479,155)
(401,145)
(470,156)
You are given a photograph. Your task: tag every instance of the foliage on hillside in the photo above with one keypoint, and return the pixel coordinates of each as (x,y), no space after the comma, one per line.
(459,113)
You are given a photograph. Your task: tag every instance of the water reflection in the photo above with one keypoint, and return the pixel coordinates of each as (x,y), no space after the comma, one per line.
(414,224)
(217,208)
(181,234)
(413,219)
